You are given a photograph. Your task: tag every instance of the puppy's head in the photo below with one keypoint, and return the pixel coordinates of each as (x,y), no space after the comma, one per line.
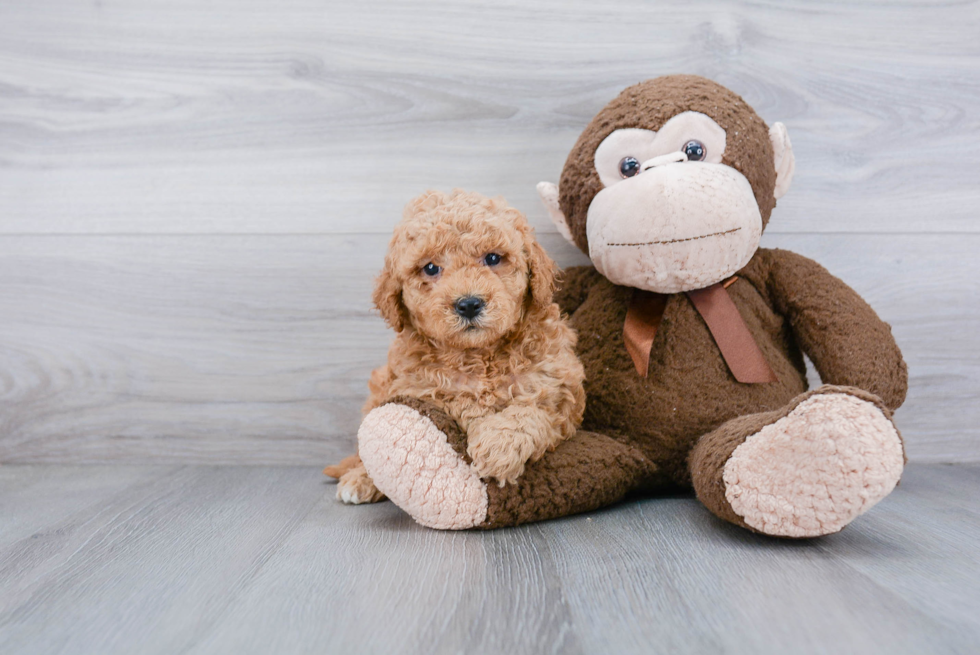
(463,270)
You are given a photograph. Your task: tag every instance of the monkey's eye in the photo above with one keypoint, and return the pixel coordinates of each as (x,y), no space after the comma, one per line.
(492,259)
(431,269)
(629,166)
(694,150)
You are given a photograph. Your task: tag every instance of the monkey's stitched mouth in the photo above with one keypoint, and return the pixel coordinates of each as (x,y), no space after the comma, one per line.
(659,243)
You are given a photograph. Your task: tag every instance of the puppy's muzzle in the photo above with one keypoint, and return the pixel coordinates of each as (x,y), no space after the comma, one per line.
(469,307)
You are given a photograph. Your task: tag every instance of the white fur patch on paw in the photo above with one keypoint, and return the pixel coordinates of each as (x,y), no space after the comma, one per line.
(355,487)
(411,462)
(813,471)
(348,493)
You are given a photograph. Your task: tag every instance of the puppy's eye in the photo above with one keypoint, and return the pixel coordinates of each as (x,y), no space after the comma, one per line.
(492,259)
(431,269)
(694,150)
(629,166)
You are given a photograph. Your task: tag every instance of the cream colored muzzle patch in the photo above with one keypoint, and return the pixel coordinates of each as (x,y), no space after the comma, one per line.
(674,227)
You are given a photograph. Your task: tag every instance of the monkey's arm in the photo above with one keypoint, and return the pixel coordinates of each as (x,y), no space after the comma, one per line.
(574,287)
(847,342)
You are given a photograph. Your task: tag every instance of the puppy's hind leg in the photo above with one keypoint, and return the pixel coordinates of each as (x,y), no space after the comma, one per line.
(355,487)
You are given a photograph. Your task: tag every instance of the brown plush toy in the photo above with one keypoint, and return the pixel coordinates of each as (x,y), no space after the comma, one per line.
(692,339)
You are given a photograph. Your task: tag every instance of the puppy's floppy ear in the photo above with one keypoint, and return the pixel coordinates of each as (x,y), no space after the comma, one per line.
(541,271)
(387,298)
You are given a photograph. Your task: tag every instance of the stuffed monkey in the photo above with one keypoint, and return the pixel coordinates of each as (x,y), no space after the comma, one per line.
(692,338)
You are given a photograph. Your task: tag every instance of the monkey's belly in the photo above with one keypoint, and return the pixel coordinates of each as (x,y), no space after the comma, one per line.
(666,413)
(689,389)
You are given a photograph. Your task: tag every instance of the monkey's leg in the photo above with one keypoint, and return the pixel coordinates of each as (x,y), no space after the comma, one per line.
(584,472)
(805,470)
(416,456)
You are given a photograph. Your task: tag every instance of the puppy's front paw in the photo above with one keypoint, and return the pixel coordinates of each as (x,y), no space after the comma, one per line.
(499,451)
(356,487)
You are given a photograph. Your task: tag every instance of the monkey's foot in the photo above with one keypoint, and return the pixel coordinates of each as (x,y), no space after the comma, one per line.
(811,472)
(412,462)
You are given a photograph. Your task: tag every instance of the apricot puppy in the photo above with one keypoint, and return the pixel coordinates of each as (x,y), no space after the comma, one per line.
(469,292)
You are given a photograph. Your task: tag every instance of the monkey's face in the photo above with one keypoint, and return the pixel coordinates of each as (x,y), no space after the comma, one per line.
(670,186)
(670,216)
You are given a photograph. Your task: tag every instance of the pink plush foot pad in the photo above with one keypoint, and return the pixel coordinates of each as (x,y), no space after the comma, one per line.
(813,471)
(411,462)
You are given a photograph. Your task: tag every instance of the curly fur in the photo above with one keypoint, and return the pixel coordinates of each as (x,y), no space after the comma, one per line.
(510,377)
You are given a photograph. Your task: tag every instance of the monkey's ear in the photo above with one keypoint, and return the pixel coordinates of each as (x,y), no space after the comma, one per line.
(549,196)
(783,158)
(541,271)
(387,298)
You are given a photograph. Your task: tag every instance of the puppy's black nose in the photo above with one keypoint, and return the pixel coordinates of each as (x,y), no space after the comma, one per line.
(469,306)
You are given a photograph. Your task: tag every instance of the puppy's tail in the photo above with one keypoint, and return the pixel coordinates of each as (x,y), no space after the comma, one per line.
(346,464)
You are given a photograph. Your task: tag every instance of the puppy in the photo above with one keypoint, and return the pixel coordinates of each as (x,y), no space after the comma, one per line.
(469,292)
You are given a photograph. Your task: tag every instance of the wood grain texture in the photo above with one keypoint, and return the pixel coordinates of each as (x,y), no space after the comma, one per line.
(258,349)
(151,567)
(195,196)
(311,116)
(948,589)
(204,560)
(56,494)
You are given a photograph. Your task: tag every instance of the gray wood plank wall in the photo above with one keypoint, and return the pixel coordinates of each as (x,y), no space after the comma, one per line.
(195,196)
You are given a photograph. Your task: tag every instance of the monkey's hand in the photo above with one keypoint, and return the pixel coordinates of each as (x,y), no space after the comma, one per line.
(501,444)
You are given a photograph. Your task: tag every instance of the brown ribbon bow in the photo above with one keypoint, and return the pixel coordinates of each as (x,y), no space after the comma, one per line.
(742,354)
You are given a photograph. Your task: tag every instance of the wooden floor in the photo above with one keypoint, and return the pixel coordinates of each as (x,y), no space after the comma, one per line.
(195,559)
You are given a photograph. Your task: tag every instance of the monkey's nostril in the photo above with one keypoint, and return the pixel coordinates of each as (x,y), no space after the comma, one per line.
(468,307)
